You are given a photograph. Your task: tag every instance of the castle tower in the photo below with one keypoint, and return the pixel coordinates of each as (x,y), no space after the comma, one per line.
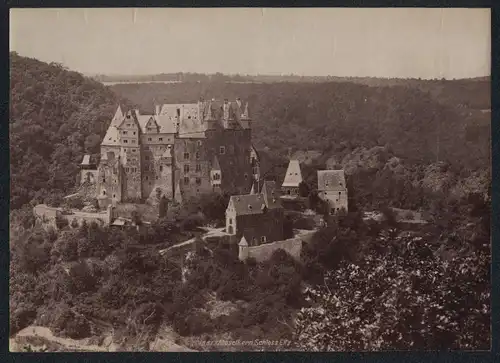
(128,139)
(216,175)
(88,170)
(243,249)
(293,178)
(245,120)
(209,117)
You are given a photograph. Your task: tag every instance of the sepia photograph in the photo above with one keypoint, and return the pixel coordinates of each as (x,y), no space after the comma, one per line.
(250,179)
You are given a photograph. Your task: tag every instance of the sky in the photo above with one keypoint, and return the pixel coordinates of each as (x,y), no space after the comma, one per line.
(356,42)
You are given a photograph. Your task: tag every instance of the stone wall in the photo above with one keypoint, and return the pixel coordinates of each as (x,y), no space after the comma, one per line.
(193,154)
(236,167)
(109,179)
(46,216)
(264,252)
(335,199)
(254,226)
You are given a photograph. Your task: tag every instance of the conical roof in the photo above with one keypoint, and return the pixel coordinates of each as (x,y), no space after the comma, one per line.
(243,242)
(293,175)
(215,163)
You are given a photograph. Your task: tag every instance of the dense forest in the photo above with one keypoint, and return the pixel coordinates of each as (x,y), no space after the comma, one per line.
(415,145)
(246,78)
(415,119)
(56,116)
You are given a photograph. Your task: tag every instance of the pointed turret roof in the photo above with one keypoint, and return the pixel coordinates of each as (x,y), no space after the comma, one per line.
(215,163)
(245,115)
(111,137)
(177,193)
(293,175)
(243,242)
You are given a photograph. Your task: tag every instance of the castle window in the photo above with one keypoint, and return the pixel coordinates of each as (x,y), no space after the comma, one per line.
(125,141)
(198,168)
(186,180)
(246,176)
(186,168)
(198,181)
(103,192)
(263,239)
(222,150)
(147,177)
(157,177)
(133,150)
(124,132)
(114,195)
(146,168)
(133,141)
(255,170)
(340,193)
(104,179)
(197,155)
(198,143)
(126,170)
(161,168)
(160,139)
(230,221)
(146,157)
(186,156)
(134,132)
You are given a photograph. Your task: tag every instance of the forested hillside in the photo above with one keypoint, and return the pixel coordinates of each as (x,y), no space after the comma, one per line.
(425,121)
(56,116)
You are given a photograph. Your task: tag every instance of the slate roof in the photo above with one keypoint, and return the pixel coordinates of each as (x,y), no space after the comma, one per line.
(293,176)
(86,160)
(192,128)
(111,137)
(215,163)
(248,204)
(331,180)
(243,242)
(271,194)
(166,124)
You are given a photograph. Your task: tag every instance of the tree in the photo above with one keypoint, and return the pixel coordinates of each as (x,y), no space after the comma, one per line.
(395,299)
(304,189)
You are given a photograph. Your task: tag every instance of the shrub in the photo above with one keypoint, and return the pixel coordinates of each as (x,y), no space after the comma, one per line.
(61,222)
(75,203)
(21,317)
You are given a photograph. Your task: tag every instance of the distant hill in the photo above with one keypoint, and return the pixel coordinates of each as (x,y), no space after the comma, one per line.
(423,121)
(56,116)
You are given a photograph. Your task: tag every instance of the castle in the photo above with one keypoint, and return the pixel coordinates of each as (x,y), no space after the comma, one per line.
(179,152)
